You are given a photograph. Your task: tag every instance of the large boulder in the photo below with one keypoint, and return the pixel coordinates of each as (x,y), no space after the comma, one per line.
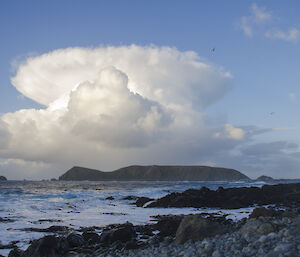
(47,246)
(257,227)
(167,226)
(264,212)
(91,237)
(195,227)
(122,233)
(75,240)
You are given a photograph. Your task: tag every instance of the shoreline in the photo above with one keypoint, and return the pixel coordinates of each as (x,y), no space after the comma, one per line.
(274,231)
(165,239)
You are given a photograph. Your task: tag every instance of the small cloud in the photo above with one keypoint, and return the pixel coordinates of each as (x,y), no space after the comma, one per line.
(292,35)
(234,133)
(292,97)
(245,25)
(258,16)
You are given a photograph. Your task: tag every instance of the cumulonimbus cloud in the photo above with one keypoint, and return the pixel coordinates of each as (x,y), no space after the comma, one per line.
(112,106)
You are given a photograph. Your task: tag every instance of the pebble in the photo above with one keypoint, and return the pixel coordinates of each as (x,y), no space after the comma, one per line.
(283,240)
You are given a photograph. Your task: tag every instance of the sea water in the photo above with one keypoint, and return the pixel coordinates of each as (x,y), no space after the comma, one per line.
(83,203)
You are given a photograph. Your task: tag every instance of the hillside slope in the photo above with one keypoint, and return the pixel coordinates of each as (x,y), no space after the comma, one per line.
(156,172)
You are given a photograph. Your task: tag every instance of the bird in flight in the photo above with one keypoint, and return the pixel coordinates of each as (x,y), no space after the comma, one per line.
(272,113)
(213,49)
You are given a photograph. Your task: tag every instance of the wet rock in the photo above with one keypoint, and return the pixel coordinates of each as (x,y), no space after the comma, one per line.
(142,200)
(264,212)
(122,233)
(5,219)
(257,227)
(50,220)
(232,198)
(47,246)
(132,244)
(75,240)
(91,237)
(194,227)
(110,198)
(52,229)
(130,197)
(289,214)
(168,225)
(15,253)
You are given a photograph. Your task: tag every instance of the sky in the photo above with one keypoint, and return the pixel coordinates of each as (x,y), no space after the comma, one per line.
(107,84)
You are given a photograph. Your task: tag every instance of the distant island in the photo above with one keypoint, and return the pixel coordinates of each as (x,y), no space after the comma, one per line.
(156,173)
(2,178)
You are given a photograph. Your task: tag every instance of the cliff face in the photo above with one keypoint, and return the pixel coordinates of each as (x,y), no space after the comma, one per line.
(155,172)
(2,178)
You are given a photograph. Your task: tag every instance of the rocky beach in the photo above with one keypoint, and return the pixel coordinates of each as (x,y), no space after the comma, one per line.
(271,229)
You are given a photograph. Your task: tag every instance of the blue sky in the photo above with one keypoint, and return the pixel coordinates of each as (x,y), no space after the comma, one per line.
(258,42)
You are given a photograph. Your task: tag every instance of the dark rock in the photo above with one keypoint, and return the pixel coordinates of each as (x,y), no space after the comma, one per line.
(47,246)
(168,225)
(2,178)
(289,214)
(122,233)
(131,245)
(257,227)
(110,198)
(91,237)
(293,197)
(142,200)
(49,220)
(52,229)
(5,219)
(130,197)
(263,212)
(75,240)
(145,230)
(194,227)
(232,198)
(15,253)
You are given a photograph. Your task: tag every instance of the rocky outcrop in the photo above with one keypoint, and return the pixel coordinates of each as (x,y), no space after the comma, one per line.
(264,178)
(232,198)
(2,178)
(155,172)
(195,227)
(272,234)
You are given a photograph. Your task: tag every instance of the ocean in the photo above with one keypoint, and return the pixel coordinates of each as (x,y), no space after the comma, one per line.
(76,204)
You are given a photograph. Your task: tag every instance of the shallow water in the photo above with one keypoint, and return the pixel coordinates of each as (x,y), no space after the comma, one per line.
(82,204)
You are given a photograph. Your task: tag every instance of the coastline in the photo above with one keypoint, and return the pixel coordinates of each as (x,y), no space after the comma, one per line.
(280,222)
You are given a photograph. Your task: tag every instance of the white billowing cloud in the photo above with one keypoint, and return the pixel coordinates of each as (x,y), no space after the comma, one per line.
(259,15)
(156,73)
(113,106)
(292,35)
(110,107)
